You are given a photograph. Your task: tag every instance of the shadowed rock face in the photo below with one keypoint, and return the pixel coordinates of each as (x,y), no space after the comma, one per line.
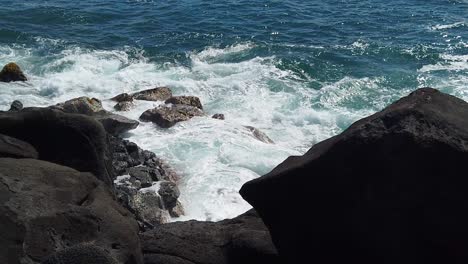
(76,141)
(15,148)
(79,254)
(389,189)
(12,73)
(45,207)
(243,239)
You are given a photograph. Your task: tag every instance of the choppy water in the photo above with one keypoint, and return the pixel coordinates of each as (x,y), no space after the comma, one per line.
(301,71)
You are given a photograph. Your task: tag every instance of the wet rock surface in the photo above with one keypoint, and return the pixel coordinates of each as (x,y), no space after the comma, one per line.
(185,100)
(155,94)
(168,116)
(12,73)
(16,106)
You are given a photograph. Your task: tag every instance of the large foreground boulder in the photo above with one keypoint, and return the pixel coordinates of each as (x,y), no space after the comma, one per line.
(76,141)
(168,116)
(242,240)
(12,73)
(390,189)
(46,208)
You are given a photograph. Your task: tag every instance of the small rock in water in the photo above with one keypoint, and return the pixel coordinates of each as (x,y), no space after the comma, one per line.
(185,100)
(16,106)
(124,106)
(259,135)
(165,116)
(169,193)
(218,116)
(155,94)
(124,97)
(12,73)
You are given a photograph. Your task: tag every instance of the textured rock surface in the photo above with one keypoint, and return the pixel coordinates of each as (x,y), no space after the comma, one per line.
(218,116)
(12,73)
(168,116)
(389,189)
(155,94)
(45,207)
(243,239)
(124,106)
(185,100)
(16,106)
(115,124)
(81,254)
(259,135)
(76,141)
(15,148)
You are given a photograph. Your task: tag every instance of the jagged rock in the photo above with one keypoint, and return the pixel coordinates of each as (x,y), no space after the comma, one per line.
(155,94)
(148,206)
(76,141)
(389,189)
(165,116)
(80,254)
(124,106)
(12,73)
(16,106)
(169,194)
(218,116)
(185,100)
(45,207)
(124,97)
(145,175)
(81,105)
(15,148)
(177,210)
(259,135)
(114,124)
(244,239)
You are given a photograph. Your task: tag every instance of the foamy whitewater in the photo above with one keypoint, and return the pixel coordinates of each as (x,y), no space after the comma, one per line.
(299,86)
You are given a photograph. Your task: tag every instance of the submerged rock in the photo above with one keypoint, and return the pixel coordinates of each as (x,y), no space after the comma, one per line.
(259,135)
(244,239)
(185,100)
(218,116)
(155,94)
(168,116)
(45,208)
(12,73)
(389,189)
(16,106)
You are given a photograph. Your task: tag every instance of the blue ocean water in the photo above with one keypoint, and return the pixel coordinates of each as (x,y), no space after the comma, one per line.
(301,71)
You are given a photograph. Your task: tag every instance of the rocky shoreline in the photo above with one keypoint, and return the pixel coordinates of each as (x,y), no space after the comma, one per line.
(389,189)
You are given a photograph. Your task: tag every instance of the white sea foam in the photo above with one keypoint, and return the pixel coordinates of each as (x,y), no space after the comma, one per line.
(451,63)
(214,157)
(448,26)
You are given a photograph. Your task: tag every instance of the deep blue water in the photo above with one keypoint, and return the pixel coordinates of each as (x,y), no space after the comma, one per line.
(301,71)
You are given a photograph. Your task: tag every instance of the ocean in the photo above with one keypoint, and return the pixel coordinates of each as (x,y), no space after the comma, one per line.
(299,70)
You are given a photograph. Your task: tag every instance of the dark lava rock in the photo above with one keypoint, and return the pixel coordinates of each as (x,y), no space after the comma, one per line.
(144,175)
(169,194)
(12,73)
(45,208)
(218,116)
(155,94)
(185,100)
(259,135)
(76,141)
(16,106)
(389,189)
(15,148)
(114,124)
(124,97)
(243,239)
(81,254)
(165,116)
(124,106)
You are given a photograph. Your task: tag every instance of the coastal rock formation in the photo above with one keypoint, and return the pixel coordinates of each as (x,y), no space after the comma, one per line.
(114,124)
(80,254)
(244,239)
(45,207)
(168,116)
(389,189)
(185,100)
(123,97)
(218,116)
(12,73)
(155,94)
(16,106)
(15,148)
(124,106)
(75,141)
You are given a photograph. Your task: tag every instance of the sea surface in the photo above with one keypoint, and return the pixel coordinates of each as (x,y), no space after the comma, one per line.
(299,70)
